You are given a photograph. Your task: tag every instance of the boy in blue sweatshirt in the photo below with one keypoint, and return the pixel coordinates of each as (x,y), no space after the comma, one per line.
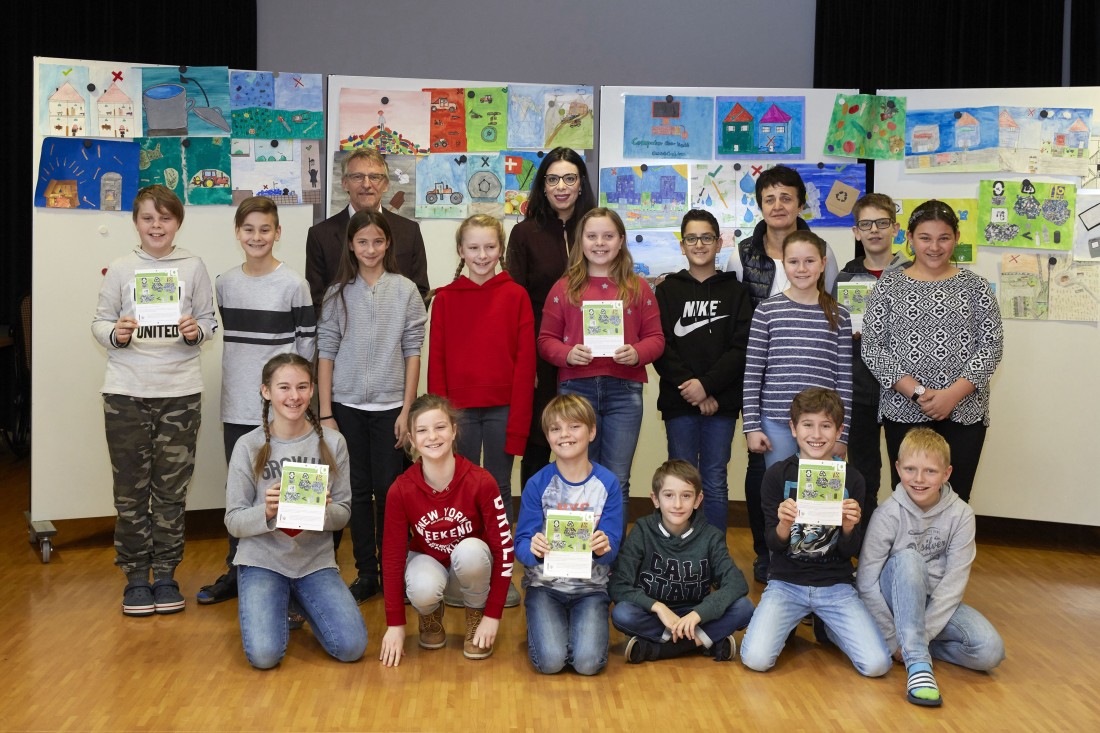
(662,579)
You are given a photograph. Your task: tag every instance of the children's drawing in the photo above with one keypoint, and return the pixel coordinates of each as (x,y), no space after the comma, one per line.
(272,169)
(386,120)
(272,104)
(668,127)
(1026,214)
(728,190)
(160,160)
(966,209)
(485,183)
(400,197)
(949,140)
(190,101)
(866,126)
(486,119)
(87,174)
(754,127)
(448,116)
(646,196)
(91,99)
(310,161)
(1047,287)
(568,118)
(519,173)
(1086,237)
(207,171)
(441,187)
(656,252)
(1051,140)
(525,115)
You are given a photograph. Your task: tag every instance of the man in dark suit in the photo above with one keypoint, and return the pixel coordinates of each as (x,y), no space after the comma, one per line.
(366,179)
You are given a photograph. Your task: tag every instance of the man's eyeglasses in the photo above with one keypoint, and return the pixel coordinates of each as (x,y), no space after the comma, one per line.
(569,179)
(864,225)
(375,178)
(704,238)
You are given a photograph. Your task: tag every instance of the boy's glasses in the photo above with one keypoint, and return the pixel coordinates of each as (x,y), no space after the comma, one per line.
(375,178)
(569,179)
(864,225)
(704,238)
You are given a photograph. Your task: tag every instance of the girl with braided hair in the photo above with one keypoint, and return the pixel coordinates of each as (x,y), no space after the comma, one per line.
(277,565)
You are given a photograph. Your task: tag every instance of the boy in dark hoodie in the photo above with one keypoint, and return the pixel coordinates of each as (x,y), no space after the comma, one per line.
(705,315)
(876,226)
(914,567)
(661,582)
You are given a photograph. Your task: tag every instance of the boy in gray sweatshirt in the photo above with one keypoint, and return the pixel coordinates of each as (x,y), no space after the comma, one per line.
(914,566)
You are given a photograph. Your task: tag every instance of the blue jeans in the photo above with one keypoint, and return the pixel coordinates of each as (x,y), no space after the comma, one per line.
(848,624)
(563,628)
(618,406)
(968,639)
(706,443)
(426,580)
(325,600)
(633,620)
(783,443)
(482,432)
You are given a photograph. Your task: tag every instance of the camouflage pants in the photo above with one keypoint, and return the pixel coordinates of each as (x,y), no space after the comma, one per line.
(151,442)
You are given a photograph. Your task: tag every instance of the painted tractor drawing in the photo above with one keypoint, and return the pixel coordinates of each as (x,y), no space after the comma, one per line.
(442,191)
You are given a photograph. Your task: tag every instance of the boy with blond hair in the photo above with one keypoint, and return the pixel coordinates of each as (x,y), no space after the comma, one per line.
(914,567)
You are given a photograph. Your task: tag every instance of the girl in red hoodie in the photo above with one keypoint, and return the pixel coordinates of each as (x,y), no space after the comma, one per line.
(446,530)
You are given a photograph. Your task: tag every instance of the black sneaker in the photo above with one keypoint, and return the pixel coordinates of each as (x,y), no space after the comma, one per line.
(222,589)
(819,630)
(724,650)
(760,569)
(137,600)
(363,588)
(639,650)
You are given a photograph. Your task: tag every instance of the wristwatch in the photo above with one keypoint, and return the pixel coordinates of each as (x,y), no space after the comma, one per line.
(917,392)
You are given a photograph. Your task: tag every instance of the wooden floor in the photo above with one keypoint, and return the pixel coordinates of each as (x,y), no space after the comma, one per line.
(71,661)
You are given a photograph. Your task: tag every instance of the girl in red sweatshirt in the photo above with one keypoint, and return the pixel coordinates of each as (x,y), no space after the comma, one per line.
(481,356)
(445,530)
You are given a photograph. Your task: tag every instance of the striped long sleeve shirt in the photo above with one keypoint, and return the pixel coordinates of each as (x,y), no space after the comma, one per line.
(791,348)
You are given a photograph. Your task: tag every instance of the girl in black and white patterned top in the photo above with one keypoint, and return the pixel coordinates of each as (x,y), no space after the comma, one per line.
(932,336)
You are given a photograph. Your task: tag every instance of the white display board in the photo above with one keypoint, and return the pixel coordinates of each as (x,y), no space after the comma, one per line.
(652,445)
(1036,460)
(70,469)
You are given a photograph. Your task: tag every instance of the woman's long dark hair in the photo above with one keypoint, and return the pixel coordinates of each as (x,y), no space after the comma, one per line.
(539,208)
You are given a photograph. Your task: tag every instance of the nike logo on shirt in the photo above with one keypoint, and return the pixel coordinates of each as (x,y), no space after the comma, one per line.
(681,330)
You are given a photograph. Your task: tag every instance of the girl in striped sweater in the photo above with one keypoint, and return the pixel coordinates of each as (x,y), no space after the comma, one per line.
(799,338)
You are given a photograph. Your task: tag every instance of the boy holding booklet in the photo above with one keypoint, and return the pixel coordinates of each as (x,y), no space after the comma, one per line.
(567,616)
(811,565)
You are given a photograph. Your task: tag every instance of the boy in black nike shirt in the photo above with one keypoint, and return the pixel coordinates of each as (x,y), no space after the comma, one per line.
(705,315)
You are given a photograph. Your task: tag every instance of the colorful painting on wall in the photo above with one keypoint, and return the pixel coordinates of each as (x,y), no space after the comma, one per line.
(646,196)
(759,127)
(78,173)
(668,127)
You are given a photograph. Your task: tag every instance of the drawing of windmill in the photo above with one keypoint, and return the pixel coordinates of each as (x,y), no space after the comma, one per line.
(774,133)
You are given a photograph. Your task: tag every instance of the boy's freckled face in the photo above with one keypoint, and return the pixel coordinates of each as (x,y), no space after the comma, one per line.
(700,254)
(816,434)
(923,476)
(569,439)
(677,500)
(876,241)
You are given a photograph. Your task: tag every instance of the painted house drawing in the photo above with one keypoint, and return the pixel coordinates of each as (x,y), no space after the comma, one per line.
(115,112)
(625,192)
(737,132)
(667,192)
(68,112)
(773,135)
(1009,130)
(925,139)
(967,133)
(1074,141)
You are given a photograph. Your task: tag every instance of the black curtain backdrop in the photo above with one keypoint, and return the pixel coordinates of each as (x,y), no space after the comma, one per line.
(943,44)
(197,33)
(1084,44)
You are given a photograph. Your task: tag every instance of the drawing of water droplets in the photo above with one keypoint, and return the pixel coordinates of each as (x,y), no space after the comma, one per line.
(749,216)
(748,185)
(710,201)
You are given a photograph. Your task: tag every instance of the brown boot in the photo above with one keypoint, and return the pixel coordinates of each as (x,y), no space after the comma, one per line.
(432,634)
(470,650)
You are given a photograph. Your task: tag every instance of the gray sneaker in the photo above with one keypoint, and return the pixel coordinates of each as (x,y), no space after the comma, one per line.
(513,598)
